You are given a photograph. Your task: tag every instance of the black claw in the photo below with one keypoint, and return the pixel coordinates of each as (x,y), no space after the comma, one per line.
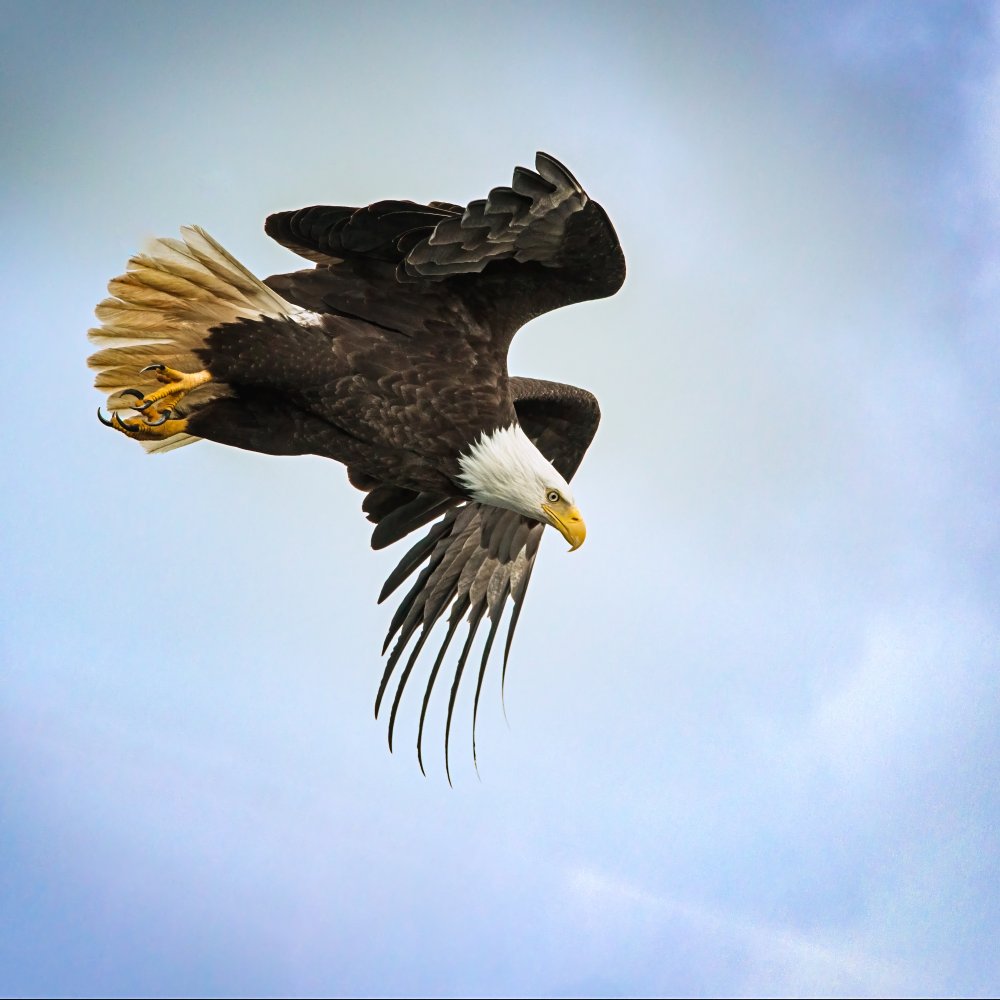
(153,368)
(124,425)
(135,393)
(104,420)
(162,420)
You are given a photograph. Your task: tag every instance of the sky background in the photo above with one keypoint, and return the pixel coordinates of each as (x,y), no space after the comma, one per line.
(753,724)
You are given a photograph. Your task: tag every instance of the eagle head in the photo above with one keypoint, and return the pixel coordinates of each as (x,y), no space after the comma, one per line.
(505,469)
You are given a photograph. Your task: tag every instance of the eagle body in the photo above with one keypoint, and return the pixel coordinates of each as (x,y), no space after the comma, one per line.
(386,404)
(389,355)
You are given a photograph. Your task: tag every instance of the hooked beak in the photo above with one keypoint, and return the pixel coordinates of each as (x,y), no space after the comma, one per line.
(568,523)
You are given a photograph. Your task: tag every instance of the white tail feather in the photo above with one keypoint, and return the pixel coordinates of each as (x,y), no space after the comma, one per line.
(161,312)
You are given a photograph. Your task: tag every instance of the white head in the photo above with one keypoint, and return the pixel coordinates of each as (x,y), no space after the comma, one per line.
(505,469)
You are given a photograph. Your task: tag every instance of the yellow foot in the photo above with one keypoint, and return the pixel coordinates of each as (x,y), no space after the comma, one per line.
(154,409)
(176,385)
(143,431)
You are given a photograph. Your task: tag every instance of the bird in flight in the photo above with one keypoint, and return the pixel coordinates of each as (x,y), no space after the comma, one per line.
(390,356)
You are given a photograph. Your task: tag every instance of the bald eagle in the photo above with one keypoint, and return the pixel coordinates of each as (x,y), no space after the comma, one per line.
(390,356)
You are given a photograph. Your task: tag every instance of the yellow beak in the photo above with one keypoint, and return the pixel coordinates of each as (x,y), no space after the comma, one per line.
(567,521)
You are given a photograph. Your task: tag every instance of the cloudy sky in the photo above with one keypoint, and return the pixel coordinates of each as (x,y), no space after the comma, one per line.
(752,744)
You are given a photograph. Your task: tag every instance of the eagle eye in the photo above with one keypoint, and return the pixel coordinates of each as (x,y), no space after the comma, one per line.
(553,496)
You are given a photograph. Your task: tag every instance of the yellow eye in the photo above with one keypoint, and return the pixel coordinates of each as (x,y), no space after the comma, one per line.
(553,497)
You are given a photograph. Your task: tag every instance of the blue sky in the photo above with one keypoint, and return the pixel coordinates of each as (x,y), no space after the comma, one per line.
(752,744)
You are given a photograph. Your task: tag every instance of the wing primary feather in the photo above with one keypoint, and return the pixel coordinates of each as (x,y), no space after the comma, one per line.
(408,602)
(411,561)
(494,625)
(456,616)
(381,499)
(526,182)
(475,617)
(506,201)
(419,594)
(514,615)
(415,605)
(409,609)
(502,540)
(552,170)
(518,600)
(415,514)
(429,616)
(424,633)
(397,652)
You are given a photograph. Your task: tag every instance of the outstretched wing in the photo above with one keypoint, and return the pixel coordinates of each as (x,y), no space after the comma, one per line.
(477,558)
(523,250)
(333,234)
(542,218)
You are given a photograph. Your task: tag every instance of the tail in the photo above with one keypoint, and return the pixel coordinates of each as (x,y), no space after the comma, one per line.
(161,312)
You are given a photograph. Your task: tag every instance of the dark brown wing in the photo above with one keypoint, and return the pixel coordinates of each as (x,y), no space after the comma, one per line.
(477,557)
(532,221)
(331,234)
(521,251)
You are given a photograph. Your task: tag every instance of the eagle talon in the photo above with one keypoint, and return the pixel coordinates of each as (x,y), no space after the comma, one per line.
(155,418)
(175,386)
(166,427)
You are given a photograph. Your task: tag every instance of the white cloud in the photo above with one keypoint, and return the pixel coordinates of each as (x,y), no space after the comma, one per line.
(774,960)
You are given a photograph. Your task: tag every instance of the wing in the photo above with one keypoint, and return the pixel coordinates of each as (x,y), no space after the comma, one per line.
(477,558)
(523,250)
(544,217)
(333,234)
